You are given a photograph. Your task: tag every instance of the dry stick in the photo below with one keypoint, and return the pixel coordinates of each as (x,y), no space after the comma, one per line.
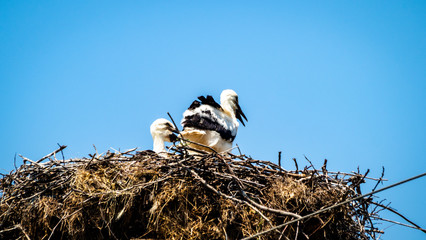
(23,230)
(54,152)
(239,150)
(90,161)
(10,229)
(199,144)
(273,166)
(14,162)
(226,235)
(170,116)
(399,214)
(267,169)
(63,157)
(357,174)
(130,150)
(312,165)
(241,156)
(279,159)
(380,179)
(295,163)
(31,161)
(177,129)
(177,149)
(306,236)
(375,231)
(297,231)
(334,206)
(402,224)
(282,234)
(324,167)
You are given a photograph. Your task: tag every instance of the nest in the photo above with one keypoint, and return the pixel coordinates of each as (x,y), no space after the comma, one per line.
(143,195)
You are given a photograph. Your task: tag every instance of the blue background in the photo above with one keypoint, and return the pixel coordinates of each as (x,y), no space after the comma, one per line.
(339,80)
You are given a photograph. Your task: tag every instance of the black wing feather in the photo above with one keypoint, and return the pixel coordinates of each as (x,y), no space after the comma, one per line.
(209,101)
(194,105)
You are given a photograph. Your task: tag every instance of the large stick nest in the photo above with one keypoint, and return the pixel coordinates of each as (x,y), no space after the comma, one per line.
(142,195)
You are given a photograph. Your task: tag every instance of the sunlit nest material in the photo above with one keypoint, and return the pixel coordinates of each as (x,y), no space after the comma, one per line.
(141,195)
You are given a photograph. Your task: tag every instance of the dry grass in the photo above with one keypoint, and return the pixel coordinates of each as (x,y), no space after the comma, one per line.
(146,196)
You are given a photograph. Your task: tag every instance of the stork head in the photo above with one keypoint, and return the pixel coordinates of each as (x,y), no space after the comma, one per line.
(162,131)
(229,102)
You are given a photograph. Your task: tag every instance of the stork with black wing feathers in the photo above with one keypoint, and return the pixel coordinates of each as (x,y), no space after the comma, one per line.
(213,125)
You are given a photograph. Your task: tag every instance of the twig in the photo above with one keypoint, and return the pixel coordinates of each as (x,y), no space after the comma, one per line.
(51,154)
(195,143)
(402,224)
(62,152)
(10,229)
(297,231)
(295,163)
(356,174)
(173,121)
(399,214)
(239,150)
(14,162)
(23,231)
(129,151)
(279,159)
(31,161)
(380,179)
(312,165)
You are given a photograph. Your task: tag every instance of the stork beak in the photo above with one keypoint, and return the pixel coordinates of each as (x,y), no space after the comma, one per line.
(173,137)
(171,128)
(239,113)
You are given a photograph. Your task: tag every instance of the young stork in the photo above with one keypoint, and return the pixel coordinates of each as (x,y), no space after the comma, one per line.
(213,125)
(162,131)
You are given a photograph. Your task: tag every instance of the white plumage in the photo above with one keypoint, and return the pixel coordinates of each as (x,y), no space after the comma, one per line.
(162,131)
(213,125)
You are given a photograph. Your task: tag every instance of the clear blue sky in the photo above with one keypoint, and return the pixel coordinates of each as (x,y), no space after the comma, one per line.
(339,80)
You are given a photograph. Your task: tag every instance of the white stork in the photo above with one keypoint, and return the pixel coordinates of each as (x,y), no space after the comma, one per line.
(213,125)
(162,131)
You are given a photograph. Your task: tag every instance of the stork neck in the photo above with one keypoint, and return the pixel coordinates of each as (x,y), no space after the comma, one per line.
(159,145)
(228,108)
